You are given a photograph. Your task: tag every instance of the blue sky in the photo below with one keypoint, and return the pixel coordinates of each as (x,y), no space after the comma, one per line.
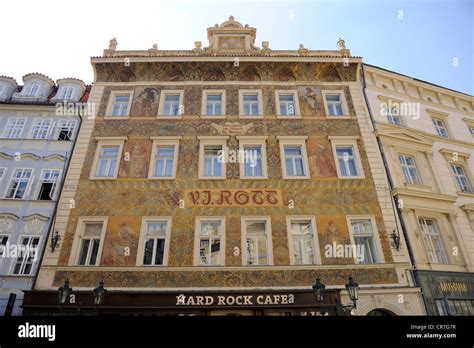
(430,40)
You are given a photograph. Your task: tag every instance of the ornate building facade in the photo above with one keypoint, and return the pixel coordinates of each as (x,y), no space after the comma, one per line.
(225,180)
(426,133)
(37,139)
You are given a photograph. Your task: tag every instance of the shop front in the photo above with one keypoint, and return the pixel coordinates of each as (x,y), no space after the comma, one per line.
(447,293)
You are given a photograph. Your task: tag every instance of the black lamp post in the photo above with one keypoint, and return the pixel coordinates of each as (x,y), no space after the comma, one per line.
(396,239)
(318,289)
(64,292)
(99,294)
(54,241)
(353,289)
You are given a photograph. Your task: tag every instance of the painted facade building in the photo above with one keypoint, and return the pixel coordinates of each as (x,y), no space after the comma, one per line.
(426,133)
(36,145)
(169,227)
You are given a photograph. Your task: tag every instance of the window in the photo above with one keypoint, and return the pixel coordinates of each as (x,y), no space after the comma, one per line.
(257,239)
(3,244)
(213,103)
(171,103)
(433,243)
(155,241)
(252,157)
(27,255)
(294,158)
(67,92)
(107,158)
(287,103)
(20,183)
(40,129)
(250,103)
(14,127)
(119,104)
(409,170)
(347,158)
(66,129)
(440,128)
(455,307)
(364,241)
(210,240)
(303,243)
(164,157)
(49,181)
(334,103)
(90,243)
(212,161)
(31,89)
(393,115)
(461,178)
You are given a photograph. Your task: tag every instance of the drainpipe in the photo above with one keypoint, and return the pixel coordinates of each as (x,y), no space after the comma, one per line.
(53,215)
(390,183)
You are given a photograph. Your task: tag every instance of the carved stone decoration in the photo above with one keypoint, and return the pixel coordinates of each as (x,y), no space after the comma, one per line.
(34,226)
(113,44)
(232,128)
(6,225)
(341,44)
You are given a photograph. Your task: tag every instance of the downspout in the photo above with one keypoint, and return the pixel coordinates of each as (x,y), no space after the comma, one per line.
(53,215)
(390,183)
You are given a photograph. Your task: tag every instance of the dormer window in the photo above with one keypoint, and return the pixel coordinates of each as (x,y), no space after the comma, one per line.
(31,89)
(67,93)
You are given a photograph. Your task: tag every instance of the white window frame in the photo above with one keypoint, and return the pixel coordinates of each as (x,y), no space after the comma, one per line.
(141,242)
(41,128)
(211,140)
(345,109)
(380,258)
(78,236)
(116,141)
(423,233)
(314,231)
(55,185)
(464,174)
(268,233)
(197,239)
(293,92)
(438,127)
(64,92)
(261,141)
(26,92)
(28,186)
(405,180)
(243,92)
(161,107)
(164,141)
(14,126)
(205,94)
(70,125)
(23,262)
(293,141)
(110,105)
(337,141)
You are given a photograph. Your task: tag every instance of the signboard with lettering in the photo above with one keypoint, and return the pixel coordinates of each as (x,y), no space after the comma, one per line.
(232,198)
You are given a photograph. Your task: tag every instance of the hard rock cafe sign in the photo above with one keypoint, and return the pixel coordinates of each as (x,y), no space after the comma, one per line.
(227,198)
(235,300)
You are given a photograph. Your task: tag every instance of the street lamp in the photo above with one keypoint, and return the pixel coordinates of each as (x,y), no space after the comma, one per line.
(353,289)
(99,293)
(318,289)
(64,292)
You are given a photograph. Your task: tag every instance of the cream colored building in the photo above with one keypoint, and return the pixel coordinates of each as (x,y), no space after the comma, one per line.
(426,133)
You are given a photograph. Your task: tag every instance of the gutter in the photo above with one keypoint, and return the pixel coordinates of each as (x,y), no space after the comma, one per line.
(391,187)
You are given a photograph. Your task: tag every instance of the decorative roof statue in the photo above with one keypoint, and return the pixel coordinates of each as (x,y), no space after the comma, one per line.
(341,44)
(113,44)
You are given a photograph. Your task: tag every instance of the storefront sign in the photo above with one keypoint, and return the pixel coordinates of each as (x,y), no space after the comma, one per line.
(233,197)
(235,300)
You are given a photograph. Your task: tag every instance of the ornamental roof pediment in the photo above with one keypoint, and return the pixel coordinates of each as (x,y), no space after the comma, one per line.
(403,135)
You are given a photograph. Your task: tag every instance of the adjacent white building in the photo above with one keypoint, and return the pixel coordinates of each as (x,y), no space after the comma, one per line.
(36,140)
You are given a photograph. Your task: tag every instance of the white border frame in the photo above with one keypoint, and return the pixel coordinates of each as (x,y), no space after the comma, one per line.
(378,243)
(242,92)
(347,141)
(165,141)
(57,189)
(163,94)
(75,250)
(205,93)
(296,141)
(48,133)
(268,232)
(345,108)
(294,92)
(314,228)
(107,142)
(197,232)
(211,140)
(108,114)
(35,263)
(255,141)
(28,187)
(141,241)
